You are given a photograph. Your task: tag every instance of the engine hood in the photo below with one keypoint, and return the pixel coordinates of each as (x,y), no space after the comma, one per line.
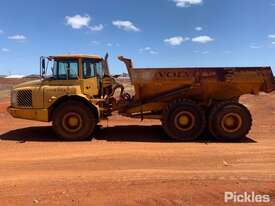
(33,83)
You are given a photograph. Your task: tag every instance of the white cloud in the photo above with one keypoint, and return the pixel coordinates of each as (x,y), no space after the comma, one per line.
(205,52)
(78,21)
(187,3)
(113,44)
(1,31)
(198,28)
(176,41)
(153,52)
(96,28)
(202,39)
(125,25)
(255,46)
(5,50)
(18,37)
(96,42)
(148,49)
(271,36)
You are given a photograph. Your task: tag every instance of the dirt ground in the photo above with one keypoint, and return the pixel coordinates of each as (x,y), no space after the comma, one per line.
(134,163)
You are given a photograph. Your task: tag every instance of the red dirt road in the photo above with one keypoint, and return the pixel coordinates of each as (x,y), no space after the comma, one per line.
(134,163)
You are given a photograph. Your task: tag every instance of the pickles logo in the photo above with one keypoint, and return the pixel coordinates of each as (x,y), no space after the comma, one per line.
(234,197)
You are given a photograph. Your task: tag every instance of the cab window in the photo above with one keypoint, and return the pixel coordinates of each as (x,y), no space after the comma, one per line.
(63,68)
(92,68)
(88,68)
(99,69)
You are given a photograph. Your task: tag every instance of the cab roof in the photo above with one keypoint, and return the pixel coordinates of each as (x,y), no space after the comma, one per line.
(68,56)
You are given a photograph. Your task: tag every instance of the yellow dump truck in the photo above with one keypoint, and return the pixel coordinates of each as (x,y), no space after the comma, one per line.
(80,92)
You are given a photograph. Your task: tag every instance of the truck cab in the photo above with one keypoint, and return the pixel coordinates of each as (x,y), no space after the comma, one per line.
(87,71)
(71,86)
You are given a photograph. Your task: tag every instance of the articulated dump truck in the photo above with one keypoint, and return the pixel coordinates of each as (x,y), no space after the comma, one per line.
(188,101)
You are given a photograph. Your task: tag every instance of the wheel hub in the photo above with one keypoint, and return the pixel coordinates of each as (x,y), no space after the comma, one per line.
(72,122)
(185,121)
(231,122)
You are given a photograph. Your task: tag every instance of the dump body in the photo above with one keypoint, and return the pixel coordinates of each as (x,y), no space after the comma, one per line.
(202,83)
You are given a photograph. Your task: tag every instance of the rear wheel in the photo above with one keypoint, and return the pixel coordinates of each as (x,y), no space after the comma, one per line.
(229,121)
(183,120)
(74,121)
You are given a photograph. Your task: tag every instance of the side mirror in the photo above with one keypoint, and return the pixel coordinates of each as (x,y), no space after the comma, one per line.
(43,63)
(42,66)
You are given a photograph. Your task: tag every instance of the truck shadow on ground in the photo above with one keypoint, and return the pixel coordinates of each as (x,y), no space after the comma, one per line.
(127,133)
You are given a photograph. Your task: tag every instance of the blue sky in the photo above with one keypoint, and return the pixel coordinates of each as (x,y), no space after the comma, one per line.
(154,33)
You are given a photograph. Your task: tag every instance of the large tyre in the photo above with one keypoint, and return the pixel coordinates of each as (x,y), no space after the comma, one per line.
(74,121)
(183,120)
(229,121)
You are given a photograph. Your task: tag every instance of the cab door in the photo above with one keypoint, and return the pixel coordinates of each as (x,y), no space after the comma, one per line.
(90,82)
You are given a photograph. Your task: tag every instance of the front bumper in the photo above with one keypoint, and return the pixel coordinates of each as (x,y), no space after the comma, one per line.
(29,113)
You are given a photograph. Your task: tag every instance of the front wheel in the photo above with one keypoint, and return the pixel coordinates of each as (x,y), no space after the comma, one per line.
(183,120)
(74,121)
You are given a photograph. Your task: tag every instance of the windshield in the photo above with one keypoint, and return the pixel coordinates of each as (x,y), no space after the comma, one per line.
(61,69)
(65,69)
